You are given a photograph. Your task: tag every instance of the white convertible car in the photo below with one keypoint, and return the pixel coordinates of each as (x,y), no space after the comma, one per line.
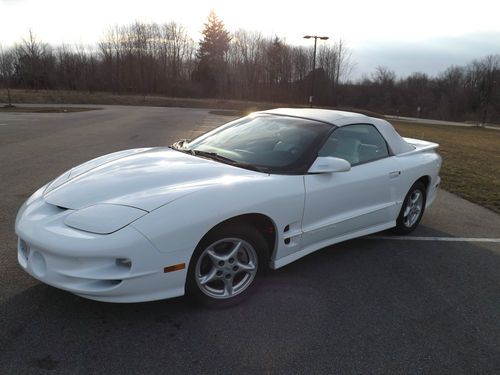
(206,216)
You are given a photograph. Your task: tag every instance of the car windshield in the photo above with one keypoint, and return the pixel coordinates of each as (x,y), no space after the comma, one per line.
(273,143)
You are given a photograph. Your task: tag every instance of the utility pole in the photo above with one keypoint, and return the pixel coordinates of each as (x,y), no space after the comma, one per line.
(316,37)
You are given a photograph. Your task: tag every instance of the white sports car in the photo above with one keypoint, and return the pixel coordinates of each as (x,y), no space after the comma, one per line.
(206,216)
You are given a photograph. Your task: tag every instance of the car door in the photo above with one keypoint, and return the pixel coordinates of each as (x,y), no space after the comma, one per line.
(343,203)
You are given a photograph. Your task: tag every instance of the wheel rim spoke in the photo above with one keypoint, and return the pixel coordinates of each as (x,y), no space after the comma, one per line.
(209,277)
(415,197)
(228,287)
(234,251)
(407,221)
(407,211)
(246,267)
(216,258)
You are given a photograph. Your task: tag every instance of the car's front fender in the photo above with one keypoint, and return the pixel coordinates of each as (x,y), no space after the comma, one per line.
(181,224)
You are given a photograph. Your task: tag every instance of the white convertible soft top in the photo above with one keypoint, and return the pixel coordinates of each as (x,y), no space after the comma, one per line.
(341,118)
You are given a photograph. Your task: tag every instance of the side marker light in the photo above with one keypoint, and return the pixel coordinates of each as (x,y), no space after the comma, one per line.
(175,267)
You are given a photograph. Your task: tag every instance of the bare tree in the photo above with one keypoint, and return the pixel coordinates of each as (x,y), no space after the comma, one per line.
(336,61)
(482,77)
(146,58)
(451,85)
(110,48)
(34,60)
(383,76)
(7,61)
(245,55)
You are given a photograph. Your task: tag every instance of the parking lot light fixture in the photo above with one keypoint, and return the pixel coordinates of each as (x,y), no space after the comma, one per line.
(316,37)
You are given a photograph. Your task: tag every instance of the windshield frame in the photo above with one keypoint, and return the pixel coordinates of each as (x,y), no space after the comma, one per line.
(298,167)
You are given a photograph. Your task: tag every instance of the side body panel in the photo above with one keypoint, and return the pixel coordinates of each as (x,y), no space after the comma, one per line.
(345,202)
(373,217)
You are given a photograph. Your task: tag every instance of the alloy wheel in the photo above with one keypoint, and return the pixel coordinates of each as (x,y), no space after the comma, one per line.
(413,208)
(226,268)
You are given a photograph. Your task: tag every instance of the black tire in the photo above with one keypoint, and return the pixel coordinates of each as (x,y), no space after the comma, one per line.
(402,224)
(253,239)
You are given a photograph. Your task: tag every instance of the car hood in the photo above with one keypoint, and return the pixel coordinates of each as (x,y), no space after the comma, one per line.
(142,178)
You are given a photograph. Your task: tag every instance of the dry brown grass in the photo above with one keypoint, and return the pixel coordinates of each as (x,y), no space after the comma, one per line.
(78,97)
(240,107)
(31,109)
(471,159)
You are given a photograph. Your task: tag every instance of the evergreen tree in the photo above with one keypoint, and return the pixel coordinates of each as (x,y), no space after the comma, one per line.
(212,68)
(275,53)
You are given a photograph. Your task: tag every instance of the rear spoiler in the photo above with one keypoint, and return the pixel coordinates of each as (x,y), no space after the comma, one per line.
(420,146)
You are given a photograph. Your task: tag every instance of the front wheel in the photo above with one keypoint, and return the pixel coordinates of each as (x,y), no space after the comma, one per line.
(412,209)
(225,264)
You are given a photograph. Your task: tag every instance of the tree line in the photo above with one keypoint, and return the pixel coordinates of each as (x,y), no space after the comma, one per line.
(150,58)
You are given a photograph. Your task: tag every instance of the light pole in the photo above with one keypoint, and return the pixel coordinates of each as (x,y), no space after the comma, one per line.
(316,37)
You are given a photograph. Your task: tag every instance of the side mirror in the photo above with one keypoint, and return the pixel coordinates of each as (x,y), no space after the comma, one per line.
(329,164)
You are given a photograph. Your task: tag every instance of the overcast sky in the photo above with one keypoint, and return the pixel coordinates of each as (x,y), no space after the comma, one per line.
(406,36)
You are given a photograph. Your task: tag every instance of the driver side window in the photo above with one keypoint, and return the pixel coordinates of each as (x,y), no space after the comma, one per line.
(357,144)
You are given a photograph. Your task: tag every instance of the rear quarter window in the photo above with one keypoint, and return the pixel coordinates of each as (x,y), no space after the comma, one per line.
(357,144)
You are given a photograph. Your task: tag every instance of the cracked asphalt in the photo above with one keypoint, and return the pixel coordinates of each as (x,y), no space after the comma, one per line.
(363,306)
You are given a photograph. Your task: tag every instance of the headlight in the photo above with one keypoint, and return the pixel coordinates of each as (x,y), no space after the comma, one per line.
(103,218)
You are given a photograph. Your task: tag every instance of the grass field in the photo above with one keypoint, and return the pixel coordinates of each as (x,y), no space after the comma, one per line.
(471,159)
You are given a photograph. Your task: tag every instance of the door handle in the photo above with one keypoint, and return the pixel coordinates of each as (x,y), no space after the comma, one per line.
(394,174)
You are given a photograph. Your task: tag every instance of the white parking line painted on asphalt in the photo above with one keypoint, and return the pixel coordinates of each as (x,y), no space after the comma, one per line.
(3,124)
(446,239)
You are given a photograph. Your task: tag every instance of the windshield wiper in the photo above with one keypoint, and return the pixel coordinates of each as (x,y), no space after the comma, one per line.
(217,157)
(212,155)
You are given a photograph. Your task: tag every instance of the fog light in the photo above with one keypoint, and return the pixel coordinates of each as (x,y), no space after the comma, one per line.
(124,262)
(37,264)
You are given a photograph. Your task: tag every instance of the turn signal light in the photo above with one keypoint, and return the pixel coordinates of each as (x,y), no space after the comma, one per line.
(175,267)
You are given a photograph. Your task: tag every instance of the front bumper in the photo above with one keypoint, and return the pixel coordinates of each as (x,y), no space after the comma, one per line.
(119,267)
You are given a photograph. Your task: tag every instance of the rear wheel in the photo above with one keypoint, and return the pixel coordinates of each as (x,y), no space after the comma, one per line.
(225,265)
(412,209)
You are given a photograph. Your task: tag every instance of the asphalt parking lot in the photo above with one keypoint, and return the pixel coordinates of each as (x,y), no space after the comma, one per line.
(379,304)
